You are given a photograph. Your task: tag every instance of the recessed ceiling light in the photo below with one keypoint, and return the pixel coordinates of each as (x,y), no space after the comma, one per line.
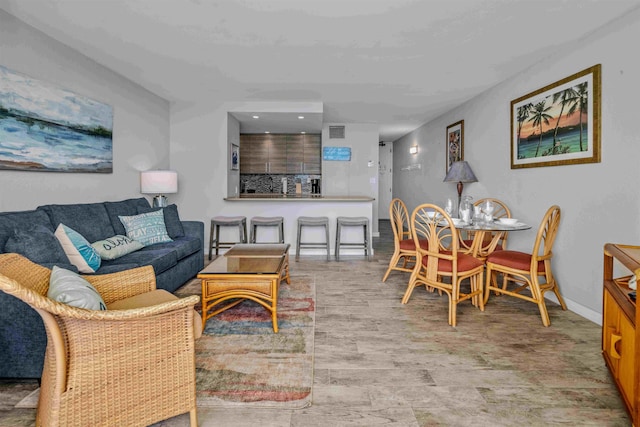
(301,117)
(266,131)
(303,132)
(256,117)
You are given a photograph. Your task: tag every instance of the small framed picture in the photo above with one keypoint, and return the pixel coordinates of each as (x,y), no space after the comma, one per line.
(454,144)
(235,157)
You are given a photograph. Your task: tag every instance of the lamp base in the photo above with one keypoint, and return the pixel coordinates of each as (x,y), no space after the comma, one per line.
(160,201)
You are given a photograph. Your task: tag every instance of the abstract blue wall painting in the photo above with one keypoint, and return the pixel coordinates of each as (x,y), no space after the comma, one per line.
(341,154)
(49,129)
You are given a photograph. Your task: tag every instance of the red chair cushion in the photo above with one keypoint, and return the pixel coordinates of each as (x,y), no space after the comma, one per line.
(465,263)
(409,245)
(514,259)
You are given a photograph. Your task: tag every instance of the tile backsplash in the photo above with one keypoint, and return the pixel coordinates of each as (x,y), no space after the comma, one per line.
(262,183)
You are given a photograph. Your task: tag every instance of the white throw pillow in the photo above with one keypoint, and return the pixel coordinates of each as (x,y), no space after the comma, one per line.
(147,228)
(78,249)
(116,246)
(70,288)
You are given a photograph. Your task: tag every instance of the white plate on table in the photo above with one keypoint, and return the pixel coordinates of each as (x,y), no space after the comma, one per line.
(508,221)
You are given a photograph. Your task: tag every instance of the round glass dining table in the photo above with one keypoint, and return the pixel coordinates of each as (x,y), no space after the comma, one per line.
(486,235)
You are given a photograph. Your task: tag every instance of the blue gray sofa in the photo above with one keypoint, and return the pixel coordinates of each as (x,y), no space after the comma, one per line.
(22,335)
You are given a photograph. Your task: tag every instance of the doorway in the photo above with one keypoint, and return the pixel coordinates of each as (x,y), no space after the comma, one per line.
(385,178)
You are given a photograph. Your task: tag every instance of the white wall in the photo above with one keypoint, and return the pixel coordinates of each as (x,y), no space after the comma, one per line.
(600,202)
(358,177)
(199,152)
(140,122)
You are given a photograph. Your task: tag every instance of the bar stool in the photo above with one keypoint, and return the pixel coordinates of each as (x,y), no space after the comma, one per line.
(226,221)
(313,221)
(267,221)
(355,221)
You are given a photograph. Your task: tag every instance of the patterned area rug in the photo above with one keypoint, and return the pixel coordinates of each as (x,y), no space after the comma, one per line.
(240,361)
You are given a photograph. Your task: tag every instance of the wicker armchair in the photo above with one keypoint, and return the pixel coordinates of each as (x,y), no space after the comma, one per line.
(115,367)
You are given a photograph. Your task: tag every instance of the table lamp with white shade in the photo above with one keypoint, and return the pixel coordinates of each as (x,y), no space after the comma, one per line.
(159,182)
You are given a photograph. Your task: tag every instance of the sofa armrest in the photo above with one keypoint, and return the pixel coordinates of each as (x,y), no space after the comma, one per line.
(194,229)
(123,284)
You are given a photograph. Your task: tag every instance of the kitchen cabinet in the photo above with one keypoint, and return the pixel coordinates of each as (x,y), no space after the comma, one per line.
(263,154)
(620,340)
(280,154)
(303,154)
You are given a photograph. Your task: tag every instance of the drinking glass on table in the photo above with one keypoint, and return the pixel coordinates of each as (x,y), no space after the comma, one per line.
(465,209)
(448,208)
(488,208)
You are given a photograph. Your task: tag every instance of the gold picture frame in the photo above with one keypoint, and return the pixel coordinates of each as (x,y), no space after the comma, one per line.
(558,124)
(454,151)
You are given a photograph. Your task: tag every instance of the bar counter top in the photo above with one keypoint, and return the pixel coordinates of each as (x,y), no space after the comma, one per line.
(272,197)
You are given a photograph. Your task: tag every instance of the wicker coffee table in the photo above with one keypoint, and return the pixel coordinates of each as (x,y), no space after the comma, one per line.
(246,271)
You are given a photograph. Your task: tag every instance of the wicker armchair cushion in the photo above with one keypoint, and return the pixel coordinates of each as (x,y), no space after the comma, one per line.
(78,249)
(151,298)
(70,288)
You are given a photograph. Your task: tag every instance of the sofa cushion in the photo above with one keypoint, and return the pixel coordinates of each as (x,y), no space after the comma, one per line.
(155,297)
(127,207)
(78,249)
(147,228)
(89,219)
(70,288)
(160,259)
(37,243)
(171,219)
(183,246)
(116,246)
(12,221)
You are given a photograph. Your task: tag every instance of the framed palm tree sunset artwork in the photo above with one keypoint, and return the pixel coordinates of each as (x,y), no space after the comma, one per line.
(558,124)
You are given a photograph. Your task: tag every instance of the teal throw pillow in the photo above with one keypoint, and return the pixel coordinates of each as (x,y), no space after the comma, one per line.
(78,249)
(116,246)
(70,288)
(147,228)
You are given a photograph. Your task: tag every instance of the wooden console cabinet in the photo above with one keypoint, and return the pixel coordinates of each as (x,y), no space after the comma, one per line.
(620,339)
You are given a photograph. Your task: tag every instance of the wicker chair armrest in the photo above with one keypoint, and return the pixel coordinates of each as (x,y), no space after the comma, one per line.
(124,284)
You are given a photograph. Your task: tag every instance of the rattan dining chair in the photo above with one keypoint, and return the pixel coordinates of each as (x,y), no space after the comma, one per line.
(499,238)
(526,269)
(119,367)
(403,246)
(443,259)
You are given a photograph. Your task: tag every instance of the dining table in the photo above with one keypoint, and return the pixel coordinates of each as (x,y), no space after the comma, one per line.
(486,235)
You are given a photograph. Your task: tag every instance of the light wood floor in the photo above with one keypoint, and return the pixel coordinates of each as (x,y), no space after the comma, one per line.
(381,363)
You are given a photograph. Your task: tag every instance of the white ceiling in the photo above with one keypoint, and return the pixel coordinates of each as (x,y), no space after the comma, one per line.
(395,63)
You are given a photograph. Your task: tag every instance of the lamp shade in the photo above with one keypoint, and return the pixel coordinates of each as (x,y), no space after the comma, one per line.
(460,172)
(158,182)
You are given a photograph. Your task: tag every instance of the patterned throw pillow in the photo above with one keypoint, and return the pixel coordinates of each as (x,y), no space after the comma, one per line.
(147,228)
(116,246)
(70,288)
(78,250)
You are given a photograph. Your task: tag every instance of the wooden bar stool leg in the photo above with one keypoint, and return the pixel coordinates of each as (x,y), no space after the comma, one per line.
(217,238)
(211,240)
(326,231)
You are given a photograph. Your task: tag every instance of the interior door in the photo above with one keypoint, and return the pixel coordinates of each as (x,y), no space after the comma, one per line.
(385,179)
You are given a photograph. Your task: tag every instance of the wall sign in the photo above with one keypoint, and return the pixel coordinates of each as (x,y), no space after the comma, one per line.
(336,153)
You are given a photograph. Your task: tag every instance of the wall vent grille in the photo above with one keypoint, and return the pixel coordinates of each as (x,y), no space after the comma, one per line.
(336,132)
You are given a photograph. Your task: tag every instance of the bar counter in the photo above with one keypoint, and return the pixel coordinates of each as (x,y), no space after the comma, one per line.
(292,206)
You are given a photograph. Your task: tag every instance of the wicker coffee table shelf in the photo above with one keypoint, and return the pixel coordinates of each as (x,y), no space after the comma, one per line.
(246,271)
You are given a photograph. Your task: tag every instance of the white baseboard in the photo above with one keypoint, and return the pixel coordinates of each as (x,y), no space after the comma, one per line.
(579,309)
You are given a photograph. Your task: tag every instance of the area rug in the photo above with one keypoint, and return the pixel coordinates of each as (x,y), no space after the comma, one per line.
(240,361)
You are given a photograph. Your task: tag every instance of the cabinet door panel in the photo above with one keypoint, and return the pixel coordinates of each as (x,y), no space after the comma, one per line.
(312,154)
(254,154)
(295,154)
(610,318)
(277,154)
(626,367)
